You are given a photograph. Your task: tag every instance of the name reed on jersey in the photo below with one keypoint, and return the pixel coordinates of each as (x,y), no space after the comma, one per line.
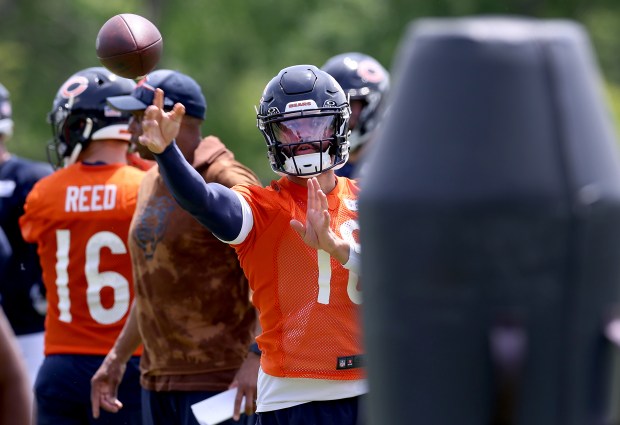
(87,198)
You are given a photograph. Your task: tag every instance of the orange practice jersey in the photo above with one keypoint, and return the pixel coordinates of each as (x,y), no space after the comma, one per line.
(308,302)
(79,217)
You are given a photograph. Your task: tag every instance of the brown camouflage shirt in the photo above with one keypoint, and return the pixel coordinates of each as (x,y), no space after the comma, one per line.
(192,298)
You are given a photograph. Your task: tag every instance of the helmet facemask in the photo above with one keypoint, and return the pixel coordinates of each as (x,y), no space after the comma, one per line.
(69,134)
(303,115)
(306,143)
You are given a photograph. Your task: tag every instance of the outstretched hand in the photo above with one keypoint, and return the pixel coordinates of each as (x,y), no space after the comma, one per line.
(316,232)
(159,128)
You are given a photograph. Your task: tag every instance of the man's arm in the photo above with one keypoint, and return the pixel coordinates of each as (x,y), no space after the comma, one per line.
(212,204)
(104,383)
(215,206)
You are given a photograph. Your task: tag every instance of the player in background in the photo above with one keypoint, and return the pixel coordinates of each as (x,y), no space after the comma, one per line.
(297,241)
(79,217)
(22,293)
(192,310)
(366,82)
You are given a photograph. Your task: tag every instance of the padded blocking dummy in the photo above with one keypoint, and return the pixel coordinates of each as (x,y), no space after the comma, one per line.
(490,227)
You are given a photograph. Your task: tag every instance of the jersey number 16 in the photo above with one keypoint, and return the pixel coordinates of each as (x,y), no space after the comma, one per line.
(95,280)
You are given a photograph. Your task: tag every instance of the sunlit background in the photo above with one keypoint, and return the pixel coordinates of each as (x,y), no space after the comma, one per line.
(232,48)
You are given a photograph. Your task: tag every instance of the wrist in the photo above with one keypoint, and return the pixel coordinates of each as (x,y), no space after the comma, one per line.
(341,251)
(123,349)
(159,150)
(117,358)
(354,260)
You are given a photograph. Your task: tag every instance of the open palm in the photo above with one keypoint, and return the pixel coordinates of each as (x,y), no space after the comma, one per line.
(316,232)
(159,128)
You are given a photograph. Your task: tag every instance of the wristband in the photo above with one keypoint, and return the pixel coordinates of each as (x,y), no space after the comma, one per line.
(353,264)
(254,349)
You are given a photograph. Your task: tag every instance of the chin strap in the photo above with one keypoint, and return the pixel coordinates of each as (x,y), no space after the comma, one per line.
(71,159)
(309,165)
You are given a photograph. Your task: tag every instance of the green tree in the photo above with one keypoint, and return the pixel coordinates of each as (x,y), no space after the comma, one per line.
(234,48)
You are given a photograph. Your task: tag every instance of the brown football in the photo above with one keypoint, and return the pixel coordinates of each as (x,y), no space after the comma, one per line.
(129,45)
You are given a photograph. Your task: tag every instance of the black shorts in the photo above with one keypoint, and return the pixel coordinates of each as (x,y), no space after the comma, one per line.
(62,392)
(346,411)
(174,407)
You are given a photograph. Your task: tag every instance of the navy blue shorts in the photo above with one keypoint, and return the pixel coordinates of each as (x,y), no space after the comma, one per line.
(345,411)
(62,392)
(174,407)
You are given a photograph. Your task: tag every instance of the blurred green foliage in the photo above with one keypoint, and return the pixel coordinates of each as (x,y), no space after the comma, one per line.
(233,48)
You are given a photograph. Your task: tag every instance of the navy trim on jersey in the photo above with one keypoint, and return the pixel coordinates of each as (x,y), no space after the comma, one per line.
(212,204)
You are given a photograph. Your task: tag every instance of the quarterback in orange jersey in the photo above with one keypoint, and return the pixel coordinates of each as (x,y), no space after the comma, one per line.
(297,241)
(79,218)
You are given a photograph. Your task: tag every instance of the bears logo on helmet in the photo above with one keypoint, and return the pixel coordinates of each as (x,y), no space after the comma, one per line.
(80,113)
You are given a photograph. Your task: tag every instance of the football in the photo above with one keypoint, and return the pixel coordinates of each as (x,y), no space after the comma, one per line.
(129,45)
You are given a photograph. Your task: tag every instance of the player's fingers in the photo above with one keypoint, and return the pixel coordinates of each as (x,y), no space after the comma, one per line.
(326,219)
(111,404)
(147,127)
(150,114)
(158,99)
(94,401)
(178,111)
(250,401)
(298,227)
(309,187)
(312,199)
(237,406)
